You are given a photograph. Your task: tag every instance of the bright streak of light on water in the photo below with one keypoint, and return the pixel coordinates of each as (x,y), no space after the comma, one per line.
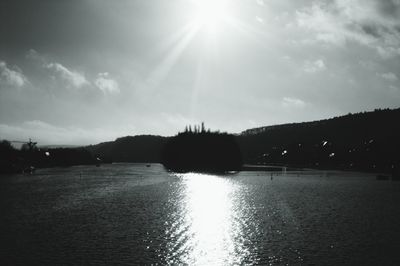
(210,217)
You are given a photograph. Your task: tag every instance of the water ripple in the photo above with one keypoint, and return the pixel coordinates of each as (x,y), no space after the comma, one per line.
(131,214)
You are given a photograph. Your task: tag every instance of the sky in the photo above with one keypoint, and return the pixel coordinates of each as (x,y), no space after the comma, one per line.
(86,71)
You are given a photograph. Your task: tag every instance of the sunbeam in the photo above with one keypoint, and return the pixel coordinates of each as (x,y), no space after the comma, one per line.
(162,70)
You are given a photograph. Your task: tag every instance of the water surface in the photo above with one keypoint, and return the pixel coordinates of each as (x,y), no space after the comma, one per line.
(129,214)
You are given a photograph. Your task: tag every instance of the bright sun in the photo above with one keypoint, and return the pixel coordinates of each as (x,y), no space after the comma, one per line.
(210,14)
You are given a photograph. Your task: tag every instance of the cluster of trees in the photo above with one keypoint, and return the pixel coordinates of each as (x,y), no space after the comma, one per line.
(203,151)
(14,160)
(196,129)
(8,155)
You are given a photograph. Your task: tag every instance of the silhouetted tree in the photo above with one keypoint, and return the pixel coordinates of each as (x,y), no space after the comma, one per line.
(202,152)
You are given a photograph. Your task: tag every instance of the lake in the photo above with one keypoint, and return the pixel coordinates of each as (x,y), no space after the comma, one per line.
(126,214)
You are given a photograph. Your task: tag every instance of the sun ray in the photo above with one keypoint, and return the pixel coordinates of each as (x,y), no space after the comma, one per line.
(162,70)
(198,82)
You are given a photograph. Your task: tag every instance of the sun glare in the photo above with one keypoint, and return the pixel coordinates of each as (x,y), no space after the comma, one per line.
(210,14)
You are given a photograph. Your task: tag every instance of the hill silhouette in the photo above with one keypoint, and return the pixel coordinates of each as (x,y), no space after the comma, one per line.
(367,141)
(142,148)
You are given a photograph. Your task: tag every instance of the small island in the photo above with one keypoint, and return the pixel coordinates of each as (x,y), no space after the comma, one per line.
(201,150)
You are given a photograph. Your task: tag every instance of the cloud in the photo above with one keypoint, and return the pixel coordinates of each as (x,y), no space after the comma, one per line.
(260,19)
(106,84)
(11,77)
(34,55)
(389,76)
(373,23)
(74,78)
(288,102)
(260,2)
(314,66)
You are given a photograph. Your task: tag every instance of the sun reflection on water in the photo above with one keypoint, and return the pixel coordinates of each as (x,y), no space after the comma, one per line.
(213,230)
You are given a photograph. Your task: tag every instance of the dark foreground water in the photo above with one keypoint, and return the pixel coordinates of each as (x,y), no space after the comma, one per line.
(129,214)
